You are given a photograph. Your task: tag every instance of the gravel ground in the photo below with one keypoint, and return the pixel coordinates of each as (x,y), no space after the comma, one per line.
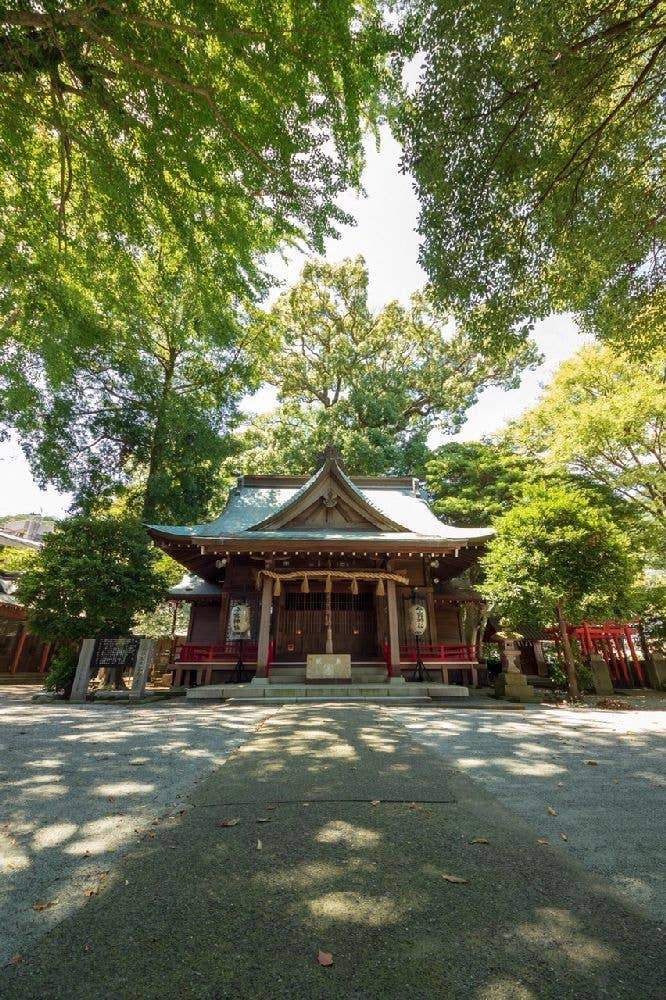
(81,784)
(610,816)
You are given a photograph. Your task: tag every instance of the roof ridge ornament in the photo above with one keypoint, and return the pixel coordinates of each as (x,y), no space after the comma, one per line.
(331,455)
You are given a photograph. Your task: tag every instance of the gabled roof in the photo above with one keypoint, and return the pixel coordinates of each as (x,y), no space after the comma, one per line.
(267,509)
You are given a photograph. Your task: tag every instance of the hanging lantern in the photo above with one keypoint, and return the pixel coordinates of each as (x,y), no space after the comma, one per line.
(305,586)
(354,585)
(418,619)
(380,588)
(277,587)
(240,619)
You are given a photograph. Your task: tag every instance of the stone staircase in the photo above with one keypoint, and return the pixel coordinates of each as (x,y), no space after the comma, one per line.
(300,692)
(371,672)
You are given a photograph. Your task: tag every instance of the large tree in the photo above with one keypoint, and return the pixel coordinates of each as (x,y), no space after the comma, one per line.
(376,382)
(144,398)
(535,135)
(558,557)
(604,415)
(231,126)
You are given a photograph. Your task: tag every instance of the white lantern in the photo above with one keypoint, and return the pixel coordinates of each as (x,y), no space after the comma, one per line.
(240,619)
(418,619)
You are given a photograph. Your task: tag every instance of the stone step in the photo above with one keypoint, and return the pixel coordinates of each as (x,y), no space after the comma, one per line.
(317,692)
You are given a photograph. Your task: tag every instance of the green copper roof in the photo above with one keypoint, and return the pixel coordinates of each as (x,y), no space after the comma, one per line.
(250,505)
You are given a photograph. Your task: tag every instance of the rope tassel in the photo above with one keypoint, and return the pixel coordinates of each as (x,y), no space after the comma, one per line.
(305,586)
(329,585)
(277,587)
(380,588)
(354,586)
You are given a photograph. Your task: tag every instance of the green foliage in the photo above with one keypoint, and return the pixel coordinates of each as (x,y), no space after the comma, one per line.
(556,546)
(473,482)
(145,403)
(231,127)
(375,383)
(62,670)
(92,575)
(603,416)
(535,137)
(14,559)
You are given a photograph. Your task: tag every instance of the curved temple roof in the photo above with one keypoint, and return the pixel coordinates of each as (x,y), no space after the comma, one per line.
(259,508)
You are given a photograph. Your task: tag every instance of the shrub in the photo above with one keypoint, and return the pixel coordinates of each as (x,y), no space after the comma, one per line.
(62,670)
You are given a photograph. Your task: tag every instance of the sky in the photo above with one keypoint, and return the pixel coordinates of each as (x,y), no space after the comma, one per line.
(385,234)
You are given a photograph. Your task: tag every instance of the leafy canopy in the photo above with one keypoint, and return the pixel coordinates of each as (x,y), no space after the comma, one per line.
(230,126)
(473,482)
(604,415)
(145,400)
(556,546)
(92,575)
(535,137)
(374,382)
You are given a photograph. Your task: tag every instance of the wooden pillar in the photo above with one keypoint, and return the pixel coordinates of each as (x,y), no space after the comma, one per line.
(44,656)
(18,649)
(264,626)
(224,617)
(394,637)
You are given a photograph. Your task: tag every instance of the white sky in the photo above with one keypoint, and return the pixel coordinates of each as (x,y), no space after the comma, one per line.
(385,235)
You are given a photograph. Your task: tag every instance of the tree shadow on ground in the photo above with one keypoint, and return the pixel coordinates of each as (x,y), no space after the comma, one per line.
(330,831)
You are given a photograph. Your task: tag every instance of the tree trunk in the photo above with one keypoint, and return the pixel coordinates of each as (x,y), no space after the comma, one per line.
(572,681)
(157,445)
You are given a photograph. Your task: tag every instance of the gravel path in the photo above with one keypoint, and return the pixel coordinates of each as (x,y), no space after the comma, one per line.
(81,784)
(612,813)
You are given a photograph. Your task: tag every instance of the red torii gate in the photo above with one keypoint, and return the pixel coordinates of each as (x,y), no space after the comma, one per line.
(608,641)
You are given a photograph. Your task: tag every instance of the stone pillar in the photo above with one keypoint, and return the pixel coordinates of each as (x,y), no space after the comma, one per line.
(601,680)
(655,668)
(264,637)
(511,683)
(394,635)
(82,676)
(144,658)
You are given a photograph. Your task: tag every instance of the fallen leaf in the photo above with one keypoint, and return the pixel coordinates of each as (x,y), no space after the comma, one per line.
(45,906)
(479,840)
(92,891)
(375,802)
(564,836)
(259,845)
(15,960)
(103,874)
(264,819)
(86,854)
(560,784)
(551,811)
(325,958)
(457,879)
(229,822)
(543,840)
(592,762)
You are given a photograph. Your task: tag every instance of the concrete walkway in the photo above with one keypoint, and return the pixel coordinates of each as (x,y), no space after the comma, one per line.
(329,830)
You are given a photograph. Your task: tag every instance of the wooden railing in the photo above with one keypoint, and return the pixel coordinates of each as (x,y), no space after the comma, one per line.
(228,652)
(442,652)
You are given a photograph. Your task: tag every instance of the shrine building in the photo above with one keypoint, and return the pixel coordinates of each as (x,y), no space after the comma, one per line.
(297,572)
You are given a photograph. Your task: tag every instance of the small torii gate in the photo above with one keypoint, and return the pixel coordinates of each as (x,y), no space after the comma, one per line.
(608,641)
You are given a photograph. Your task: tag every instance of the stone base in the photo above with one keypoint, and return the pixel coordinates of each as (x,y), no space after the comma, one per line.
(314,692)
(514,686)
(601,680)
(656,673)
(328,667)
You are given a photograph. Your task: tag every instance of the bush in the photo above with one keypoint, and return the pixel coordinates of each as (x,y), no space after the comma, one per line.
(62,670)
